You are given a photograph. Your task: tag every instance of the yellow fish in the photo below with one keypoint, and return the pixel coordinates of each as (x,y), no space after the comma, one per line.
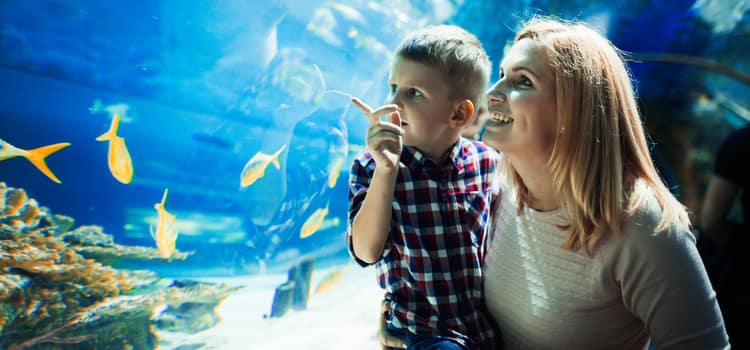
(120,164)
(35,156)
(166,230)
(331,279)
(334,172)
(256,166)
(313,223)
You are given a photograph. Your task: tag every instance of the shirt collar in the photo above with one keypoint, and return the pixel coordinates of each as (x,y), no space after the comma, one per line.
(451,159)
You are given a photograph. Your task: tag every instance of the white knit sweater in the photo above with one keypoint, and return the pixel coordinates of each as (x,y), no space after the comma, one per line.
(637,286)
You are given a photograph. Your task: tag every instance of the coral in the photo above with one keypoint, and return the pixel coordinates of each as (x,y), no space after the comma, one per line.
(126,320)
(64,223)
(56,286)
(93,243)
(90,235)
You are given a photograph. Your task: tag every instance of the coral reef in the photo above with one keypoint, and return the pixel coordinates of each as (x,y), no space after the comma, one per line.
(57,290)
(92,243)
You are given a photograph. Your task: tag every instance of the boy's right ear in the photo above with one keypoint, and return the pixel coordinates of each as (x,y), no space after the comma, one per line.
(463,113)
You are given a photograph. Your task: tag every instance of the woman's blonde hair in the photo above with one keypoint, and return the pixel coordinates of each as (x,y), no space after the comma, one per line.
(601,148)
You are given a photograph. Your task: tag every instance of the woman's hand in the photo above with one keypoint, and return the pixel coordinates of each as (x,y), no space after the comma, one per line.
(384,138)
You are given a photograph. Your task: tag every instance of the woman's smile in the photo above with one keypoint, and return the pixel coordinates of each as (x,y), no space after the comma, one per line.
(498,120)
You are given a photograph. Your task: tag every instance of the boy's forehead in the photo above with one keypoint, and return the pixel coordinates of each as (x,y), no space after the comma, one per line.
(413,70)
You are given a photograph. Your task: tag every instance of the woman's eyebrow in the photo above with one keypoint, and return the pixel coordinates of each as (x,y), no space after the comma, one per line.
(526,69)
(521,68)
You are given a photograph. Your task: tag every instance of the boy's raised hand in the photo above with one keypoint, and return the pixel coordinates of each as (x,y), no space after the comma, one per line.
(384,138)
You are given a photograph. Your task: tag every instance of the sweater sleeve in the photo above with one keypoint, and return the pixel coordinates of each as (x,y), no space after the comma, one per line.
(664,284)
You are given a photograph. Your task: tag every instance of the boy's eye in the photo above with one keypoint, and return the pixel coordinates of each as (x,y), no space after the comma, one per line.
(414,92)
(392,89)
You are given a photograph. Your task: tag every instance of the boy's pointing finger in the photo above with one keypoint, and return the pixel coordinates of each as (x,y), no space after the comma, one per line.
(364,108)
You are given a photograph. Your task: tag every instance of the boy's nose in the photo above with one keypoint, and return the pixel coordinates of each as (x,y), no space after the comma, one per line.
(392,99)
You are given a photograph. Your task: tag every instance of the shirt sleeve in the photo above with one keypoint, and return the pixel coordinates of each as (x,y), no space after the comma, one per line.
(664,284)
(359,183)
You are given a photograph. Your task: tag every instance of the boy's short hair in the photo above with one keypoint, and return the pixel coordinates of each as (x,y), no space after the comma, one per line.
(455,51)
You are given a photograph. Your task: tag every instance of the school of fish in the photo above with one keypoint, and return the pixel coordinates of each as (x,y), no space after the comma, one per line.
(120,165)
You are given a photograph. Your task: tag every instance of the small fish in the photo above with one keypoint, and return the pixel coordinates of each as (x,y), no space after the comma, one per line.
(166,230)
(334,172)
(256,166)
(213,140)
(350,13)
(333,278)
(322,24)
(35,156)
(313,223)
(329,223)
(120,163)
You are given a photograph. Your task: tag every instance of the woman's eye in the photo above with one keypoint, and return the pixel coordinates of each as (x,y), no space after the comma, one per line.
(524,81)
(414,92)
(392,89)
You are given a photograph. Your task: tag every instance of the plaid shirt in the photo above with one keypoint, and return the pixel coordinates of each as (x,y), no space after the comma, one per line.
(431,266)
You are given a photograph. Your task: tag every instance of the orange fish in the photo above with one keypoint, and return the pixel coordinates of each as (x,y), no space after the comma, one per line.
(256,166)
(313,223)
(35,156)
(331,279)
(166,230)
(334,172)
(118,157)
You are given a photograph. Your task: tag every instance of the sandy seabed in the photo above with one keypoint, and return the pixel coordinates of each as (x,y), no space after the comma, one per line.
(344,317)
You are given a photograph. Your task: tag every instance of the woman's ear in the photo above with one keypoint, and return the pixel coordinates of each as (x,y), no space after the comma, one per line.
(462,114)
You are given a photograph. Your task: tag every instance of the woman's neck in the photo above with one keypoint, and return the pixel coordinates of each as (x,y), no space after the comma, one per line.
(538,181)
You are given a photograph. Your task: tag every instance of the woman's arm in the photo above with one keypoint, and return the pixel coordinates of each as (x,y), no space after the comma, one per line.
(665,285)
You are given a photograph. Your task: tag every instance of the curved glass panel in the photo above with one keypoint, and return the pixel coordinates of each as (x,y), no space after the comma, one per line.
(203,196)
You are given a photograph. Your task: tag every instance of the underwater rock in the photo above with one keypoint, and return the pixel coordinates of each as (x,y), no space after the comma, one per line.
(302,282)
(295,292)
(199,312)
(52,292)
(282,299)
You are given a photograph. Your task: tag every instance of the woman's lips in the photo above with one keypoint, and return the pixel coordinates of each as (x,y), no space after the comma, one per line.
(499,119)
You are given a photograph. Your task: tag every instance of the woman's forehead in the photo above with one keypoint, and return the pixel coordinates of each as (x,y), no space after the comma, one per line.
(527,54)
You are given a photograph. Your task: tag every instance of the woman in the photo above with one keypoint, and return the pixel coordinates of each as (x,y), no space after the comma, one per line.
(587,247)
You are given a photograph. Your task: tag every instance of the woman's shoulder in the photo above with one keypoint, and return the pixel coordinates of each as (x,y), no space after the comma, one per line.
(640,232)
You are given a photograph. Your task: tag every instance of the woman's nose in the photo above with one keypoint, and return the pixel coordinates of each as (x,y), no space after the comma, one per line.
(496,95)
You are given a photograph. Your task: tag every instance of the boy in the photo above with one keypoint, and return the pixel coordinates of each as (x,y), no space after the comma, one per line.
(420,195)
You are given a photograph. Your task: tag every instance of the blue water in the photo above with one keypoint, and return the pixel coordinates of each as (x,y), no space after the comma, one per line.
(207,85)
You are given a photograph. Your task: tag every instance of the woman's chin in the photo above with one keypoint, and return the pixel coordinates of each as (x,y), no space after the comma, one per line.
(493,136)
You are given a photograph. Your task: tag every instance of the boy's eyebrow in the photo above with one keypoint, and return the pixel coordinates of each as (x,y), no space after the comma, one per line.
(417,83)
